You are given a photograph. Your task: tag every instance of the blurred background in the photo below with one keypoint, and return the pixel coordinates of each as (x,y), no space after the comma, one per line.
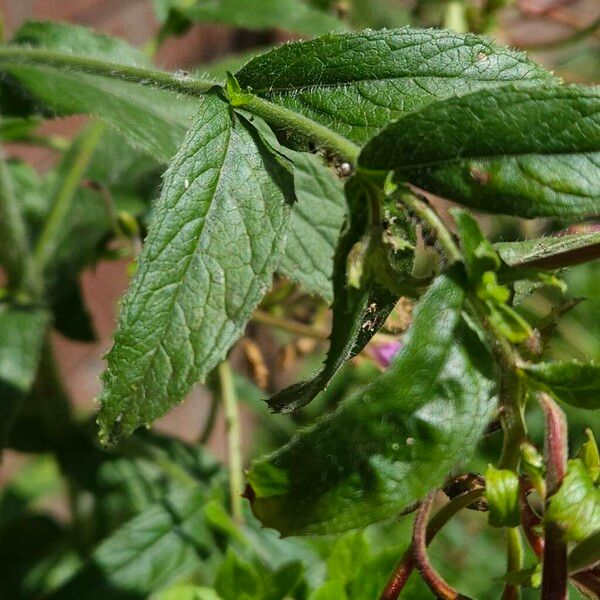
(563,35)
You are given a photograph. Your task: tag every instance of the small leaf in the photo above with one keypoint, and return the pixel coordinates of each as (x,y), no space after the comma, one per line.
(480,255)
(152,119)
(357,83)
(390,443)
(589,455)
(576,504)
(166,543)
(502,493)
(529,151)
(553,252)
(571,382)
(217,235)
(357,312)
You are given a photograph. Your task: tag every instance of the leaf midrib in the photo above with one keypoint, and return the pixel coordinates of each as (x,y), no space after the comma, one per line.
(329,86)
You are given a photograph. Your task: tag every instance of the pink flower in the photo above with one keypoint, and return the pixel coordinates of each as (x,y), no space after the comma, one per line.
(384,353)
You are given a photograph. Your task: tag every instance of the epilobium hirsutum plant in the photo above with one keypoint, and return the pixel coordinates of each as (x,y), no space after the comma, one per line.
(315,162)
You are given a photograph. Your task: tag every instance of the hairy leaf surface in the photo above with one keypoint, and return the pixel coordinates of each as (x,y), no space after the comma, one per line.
(357,83)
(572,382)
(389,444)
(529,151)
(153,119)
(315,224)
(552,252)
(216,237)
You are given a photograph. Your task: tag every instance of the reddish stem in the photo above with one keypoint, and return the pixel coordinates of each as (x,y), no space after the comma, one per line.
(432,578)
(406,564)
(555,572)
(529,521)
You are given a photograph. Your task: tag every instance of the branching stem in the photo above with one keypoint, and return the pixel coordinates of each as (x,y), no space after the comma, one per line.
(288,120)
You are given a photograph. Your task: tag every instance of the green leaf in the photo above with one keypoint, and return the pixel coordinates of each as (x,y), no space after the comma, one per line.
(163,545)
(22,332)
(330,590)
(237,579)
(554,252)
(357,83)
(586,553)
(390,443)
(315,223)
(571,382)
(358,312)
(529,151)
(590,456)
(149,118)
(502,493)
(480,255)
(289,15)
(576,504)
(188,592)
(123,178)
(216,238)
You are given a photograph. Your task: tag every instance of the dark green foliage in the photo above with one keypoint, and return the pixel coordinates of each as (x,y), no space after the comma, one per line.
(375,114)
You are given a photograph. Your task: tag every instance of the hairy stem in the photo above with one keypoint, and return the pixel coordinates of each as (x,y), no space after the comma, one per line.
(15,255)
(17,55)
(283,118)
(51,233)
(514,562)
(265,318)
(234,450)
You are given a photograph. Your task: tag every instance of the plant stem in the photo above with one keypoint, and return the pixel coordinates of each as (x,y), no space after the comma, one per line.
(210,421)
(424,212)
(17,55)
(283,118)
(50,235)
(440,588)
(514,562)
(234,450)
(406,564)
(555,571)
(15,255)
(454,16)
(513,419)
(265,318)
